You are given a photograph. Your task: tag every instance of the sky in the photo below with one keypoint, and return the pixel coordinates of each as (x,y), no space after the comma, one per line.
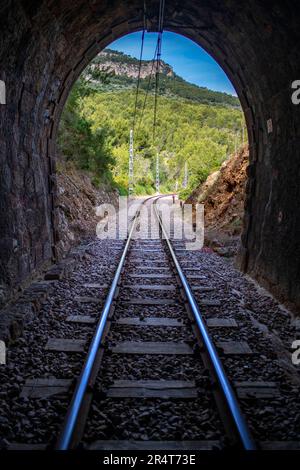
(188,59)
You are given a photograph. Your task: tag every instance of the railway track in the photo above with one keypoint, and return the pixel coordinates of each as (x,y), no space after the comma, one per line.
(152,361)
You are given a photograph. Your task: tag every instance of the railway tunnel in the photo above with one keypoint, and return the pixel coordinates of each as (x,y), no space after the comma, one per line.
(46,44)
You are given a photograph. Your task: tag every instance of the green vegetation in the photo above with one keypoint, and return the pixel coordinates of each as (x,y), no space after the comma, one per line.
(191,127)
(78,142)
(174,87)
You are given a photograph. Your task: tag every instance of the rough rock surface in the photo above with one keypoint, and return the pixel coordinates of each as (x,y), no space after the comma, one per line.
(110,61)
(77,199)
(223,196)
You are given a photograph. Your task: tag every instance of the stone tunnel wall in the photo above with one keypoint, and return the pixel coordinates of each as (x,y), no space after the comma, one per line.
(44,46)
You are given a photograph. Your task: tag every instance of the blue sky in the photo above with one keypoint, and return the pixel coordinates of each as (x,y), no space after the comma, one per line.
(188,59)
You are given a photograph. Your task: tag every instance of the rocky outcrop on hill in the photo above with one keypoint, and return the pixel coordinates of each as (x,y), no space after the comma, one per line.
(223,196)
(130,68)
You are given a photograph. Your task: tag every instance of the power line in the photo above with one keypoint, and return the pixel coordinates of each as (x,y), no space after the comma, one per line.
(158,60)
(131,149)
(161,15)
(156,82)
(157,173)
(148,89)
(185,180)
(139,78)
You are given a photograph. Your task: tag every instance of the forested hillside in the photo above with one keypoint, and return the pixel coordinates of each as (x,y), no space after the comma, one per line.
(98,116)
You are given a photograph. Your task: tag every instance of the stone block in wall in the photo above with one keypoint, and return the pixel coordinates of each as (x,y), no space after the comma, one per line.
(29,182)
(92,51)
(3,150)
(28,102)
(39,183)
(24,266)
(6,178)
(38,253)
(27,140)
(18,179)
(6,250)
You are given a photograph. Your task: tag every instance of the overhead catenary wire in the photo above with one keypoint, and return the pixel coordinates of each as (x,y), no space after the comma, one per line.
(161,15)
(139,79)
(158,62)
(147,89)
(140,66)
(131,150)
(155,62)
(156,83)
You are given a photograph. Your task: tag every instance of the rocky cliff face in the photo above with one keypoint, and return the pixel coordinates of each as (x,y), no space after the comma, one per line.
(223,196)
(112,61)
(77,200)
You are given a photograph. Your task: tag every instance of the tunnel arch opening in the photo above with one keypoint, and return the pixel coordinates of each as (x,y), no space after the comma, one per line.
(212,96)
(250,42)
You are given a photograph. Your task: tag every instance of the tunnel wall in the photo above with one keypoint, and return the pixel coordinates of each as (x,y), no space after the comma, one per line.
(44,46)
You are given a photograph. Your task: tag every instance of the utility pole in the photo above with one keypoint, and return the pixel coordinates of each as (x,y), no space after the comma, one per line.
(157,173)
(130,179)
(185,181)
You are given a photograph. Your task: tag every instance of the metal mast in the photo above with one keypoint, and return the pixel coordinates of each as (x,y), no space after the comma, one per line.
(236,142)
(185,181)
(157,172)
(130,179)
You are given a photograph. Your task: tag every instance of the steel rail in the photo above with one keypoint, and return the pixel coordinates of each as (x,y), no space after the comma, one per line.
(66,435)
(227,390)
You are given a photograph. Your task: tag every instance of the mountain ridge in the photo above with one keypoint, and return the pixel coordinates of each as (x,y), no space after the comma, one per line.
(124,64)
(123,71)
